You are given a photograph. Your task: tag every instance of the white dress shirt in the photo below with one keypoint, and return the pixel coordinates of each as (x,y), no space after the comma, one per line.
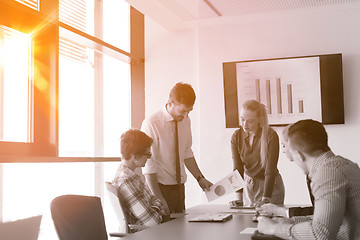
(161,128)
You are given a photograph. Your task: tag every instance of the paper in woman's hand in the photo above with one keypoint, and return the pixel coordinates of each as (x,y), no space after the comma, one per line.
(228,184)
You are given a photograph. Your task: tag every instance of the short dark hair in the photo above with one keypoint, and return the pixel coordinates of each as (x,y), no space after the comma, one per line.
(134,142)
(308,136)
(183,93)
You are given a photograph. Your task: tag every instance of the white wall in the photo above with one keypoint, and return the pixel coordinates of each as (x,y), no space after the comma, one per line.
(196,56)
(172,57)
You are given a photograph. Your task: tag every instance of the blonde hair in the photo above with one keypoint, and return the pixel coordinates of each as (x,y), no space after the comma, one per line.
(261,113)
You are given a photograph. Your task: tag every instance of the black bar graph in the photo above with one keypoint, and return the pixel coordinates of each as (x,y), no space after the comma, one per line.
(268,97)
(278,94)
(283,95)
(289,95)
(289,88)
(257,89)
(301,106)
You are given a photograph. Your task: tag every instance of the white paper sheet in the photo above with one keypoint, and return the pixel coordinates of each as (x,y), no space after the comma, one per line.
(228,184)
(248,230)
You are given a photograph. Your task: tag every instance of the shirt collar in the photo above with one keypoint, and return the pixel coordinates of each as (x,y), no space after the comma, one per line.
(257,134)
(125,172)
(167,115)
(320,161)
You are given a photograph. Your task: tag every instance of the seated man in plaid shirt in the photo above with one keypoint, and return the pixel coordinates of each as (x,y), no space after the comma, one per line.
(142,206)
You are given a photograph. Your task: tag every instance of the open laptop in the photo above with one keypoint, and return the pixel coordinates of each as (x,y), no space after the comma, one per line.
(27,228)
(212,217)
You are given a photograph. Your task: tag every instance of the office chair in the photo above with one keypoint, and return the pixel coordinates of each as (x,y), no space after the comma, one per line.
(78,217)
(120,210)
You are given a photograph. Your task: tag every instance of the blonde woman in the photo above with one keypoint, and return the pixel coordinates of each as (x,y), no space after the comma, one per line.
(255,153)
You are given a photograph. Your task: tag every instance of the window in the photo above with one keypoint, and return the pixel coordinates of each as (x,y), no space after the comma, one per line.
(76,107)
(39,183)
(77,93)
(113,22)
(28,83)
(119,12)
(94,86)
(15,86)
(92,111)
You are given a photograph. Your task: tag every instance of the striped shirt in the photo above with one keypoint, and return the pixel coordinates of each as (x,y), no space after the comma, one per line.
(143,206)
(335,184)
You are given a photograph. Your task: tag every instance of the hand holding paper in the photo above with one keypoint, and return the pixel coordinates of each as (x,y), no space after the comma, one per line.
(205,184)
(228,184)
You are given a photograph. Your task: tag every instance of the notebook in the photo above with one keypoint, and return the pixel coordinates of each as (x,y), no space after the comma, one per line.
(212,217)
(242,207)
(27,228)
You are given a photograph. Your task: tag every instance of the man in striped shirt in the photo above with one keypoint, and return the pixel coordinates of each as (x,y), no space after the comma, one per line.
(335,185)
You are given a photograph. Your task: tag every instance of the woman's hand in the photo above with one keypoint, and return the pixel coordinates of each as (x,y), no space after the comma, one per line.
(263,201)
(270,210)
(236,203)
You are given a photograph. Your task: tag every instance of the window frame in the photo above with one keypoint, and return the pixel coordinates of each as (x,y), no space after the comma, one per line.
(45,145)
(44,137)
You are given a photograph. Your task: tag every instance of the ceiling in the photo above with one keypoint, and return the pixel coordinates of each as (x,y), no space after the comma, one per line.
(200,9)
(171,12)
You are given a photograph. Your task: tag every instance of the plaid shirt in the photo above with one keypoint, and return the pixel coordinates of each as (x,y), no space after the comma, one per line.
(144,207)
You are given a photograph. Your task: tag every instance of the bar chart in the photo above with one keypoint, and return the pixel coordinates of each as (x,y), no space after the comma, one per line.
(278,97)
(289,88)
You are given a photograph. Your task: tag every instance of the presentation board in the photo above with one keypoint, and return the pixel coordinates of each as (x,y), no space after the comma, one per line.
(293,88)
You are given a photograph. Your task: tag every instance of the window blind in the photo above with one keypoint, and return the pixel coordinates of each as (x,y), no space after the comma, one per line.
(34,4)
(73,13)
(72,50)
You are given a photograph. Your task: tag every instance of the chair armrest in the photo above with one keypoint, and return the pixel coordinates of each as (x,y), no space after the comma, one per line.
(116,234)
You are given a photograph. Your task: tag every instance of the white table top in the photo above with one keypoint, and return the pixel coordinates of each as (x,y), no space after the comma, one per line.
(182,229)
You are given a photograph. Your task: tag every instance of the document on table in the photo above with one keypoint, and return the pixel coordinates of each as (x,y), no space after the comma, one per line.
(245,211)
(228,184)
(248,230)
(212,217)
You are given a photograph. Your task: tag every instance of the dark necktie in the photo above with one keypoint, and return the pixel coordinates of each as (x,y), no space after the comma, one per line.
(308,182)
(177,157)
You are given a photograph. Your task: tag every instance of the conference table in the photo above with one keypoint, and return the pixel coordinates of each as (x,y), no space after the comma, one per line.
(181,229)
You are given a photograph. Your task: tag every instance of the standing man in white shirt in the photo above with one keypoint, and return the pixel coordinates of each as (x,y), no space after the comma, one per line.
(170,128)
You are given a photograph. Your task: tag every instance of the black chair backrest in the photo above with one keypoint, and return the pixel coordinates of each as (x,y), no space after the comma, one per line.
(78,217)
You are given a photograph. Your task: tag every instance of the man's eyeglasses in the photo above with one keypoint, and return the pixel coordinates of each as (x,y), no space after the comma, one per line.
(147,154)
